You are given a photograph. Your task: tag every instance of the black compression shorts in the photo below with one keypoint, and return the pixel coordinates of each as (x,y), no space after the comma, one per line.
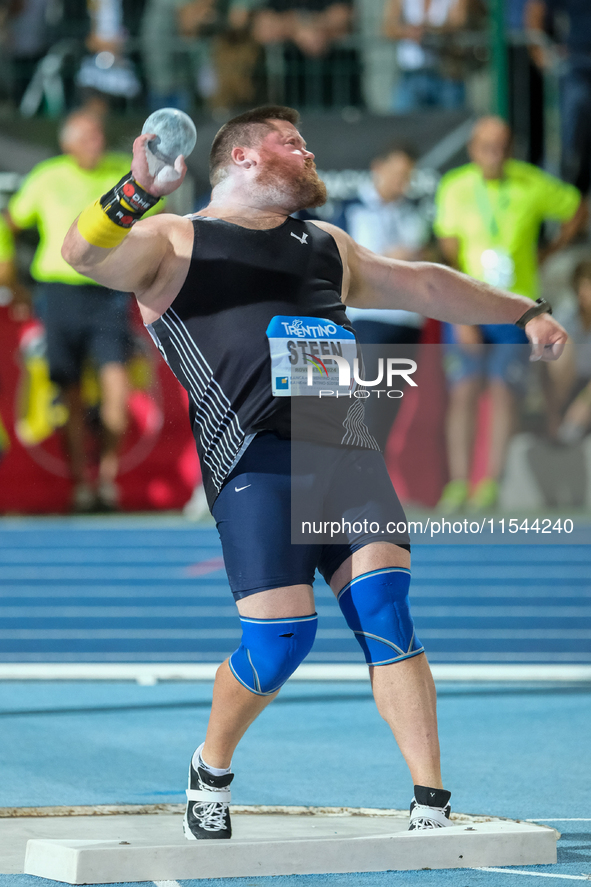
(83,323)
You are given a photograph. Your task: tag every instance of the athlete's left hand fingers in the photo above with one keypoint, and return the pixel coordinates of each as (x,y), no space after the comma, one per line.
(547,338)
(540,351)
(553,351)
(180,166)
(170,177)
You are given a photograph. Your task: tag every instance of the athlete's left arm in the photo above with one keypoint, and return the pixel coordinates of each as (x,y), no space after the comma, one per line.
(372,281)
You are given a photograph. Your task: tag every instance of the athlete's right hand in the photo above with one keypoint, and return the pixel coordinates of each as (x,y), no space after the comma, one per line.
(547,337)
(166,181)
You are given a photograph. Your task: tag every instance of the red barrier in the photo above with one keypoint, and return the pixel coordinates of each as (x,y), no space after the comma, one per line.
(416,450)
(159,465)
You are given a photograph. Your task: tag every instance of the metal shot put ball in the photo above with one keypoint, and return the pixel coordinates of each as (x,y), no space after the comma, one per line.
(175,134)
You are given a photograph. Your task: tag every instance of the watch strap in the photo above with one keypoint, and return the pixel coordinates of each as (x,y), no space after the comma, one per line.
(541,306)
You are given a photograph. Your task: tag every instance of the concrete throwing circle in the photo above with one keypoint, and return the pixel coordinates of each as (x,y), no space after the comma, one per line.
(108,844)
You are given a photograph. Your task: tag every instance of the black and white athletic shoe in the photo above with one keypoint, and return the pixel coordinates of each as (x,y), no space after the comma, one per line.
(429,809)
(208,805)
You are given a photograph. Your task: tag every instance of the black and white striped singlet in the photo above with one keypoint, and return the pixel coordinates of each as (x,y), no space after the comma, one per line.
(214,339)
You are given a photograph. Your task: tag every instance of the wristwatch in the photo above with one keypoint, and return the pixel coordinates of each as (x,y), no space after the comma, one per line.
(541,306)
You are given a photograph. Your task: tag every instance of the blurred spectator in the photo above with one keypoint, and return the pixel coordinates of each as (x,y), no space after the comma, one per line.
(108,72)
(26,41)
(318,72)
(176,51)
(572,373)
(385,221)
(382,218)
(236,56)
(311,24)
(574,47)
(107,34)
(377,56)
(526,88)
(83,321)
(489,214)
(429,75)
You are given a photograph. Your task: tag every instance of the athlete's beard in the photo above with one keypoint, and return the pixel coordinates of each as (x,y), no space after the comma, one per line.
(281,185)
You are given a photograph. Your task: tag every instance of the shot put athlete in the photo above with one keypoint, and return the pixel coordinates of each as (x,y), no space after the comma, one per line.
(214,289)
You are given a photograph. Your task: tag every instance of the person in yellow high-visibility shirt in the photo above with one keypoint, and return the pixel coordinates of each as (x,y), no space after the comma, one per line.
(489,214)
(83,320)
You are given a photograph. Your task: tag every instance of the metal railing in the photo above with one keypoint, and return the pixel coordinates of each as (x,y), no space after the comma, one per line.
(336,81)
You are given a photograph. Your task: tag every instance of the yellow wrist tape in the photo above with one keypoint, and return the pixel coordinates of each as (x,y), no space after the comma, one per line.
(98,229)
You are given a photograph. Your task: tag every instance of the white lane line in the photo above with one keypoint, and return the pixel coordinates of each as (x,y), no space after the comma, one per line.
(534,874)
(317,671)
(167,884)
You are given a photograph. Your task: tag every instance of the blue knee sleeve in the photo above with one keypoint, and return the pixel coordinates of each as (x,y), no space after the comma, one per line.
(271,650)
(375,606)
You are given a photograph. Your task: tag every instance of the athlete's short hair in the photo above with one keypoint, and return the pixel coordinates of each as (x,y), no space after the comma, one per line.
(246,130)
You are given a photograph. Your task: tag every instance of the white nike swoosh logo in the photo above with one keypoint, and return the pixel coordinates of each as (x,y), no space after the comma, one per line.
(242,488)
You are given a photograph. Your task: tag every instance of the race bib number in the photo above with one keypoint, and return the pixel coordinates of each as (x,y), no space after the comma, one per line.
(309,354)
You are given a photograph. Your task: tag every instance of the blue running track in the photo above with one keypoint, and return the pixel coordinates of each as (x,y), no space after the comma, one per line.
(154,589)
(518,750)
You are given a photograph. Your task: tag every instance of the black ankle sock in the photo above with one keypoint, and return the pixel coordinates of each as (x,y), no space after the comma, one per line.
(431,797)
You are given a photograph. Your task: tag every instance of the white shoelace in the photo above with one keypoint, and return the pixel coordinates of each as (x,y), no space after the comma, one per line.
(422,823)
(211,817)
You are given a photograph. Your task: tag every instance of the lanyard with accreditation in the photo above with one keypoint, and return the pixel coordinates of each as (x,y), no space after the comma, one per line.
(498,267)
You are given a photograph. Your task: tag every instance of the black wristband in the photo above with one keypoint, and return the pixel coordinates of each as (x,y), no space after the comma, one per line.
(541,306)
(127,202)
